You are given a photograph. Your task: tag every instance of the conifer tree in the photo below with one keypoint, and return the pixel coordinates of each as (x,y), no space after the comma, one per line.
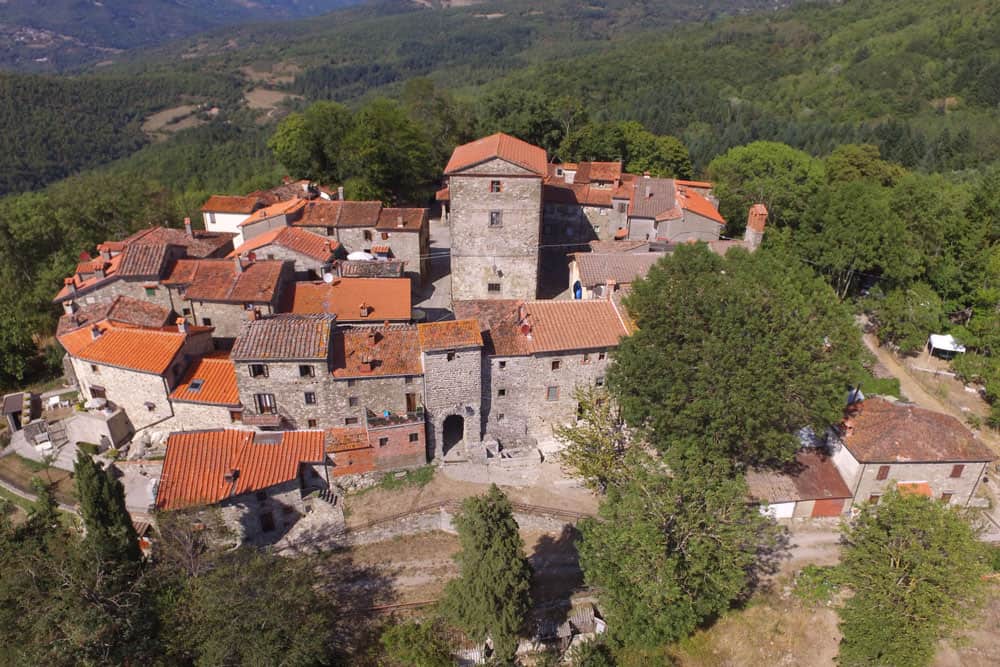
(102,505)
(491,596)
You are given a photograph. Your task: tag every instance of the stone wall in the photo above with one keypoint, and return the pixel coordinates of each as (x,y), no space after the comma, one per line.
(410,247)
(130,390)
(245,514)
(506,254)
(131,288)
(304,266)
(570,223)
(199,416)
(453,386)
(518,402)
(691,227)
(938,475)
(398,446)
(227,318)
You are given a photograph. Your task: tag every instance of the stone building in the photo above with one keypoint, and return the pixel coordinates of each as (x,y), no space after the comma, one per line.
(584,202)
(207,396)
(538,353)
(809,487)
(662,209)
(270,218)
(495,198)
(393,443)
(451,359)
(224,213)
(882,444)
(311,254)
(222,293)
(134,368)
(598,275)
(258,480)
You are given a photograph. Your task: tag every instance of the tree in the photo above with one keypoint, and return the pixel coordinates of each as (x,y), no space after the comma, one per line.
(746,350)
(102,505)
(311,144)
(915,566)
(593,653)
(639,149)
(491,596)
(414,644)
(861,162)
(906,317)
(782,178)
(596,444)
(671,549)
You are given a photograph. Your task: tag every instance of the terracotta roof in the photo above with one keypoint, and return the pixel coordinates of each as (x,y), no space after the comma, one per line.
(555,326)
(587,172)
(576,193)
(346,439)
(449,335)
(322,213)
(368,269)
(444,194)
(289,189)
(199,244)
(218,280)
(701,185)
(691,200)
(210,379)
(289,337)
(402,219)
(878,431)
(654,198)
(501,146)
(144,261)
(385,298)
(381,249)
(231,204)
(85,280)
(757,217)
(197,464)
(314,246)
(366,352)
(280,208)
(145,350)
(123,309)
(813,476)
(622,268)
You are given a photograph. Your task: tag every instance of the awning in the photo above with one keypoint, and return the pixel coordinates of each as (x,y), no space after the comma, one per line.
(945,342)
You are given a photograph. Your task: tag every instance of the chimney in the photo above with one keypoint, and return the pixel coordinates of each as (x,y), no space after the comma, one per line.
(69,306)
(327,248)
(609,287)
(99,271)
(187,227)
(756,220)
(182,325)
(105,253)
(253,314)
(239,264)
(95,332)
(286,180)
(365,311)
(340,192)
(645,174)
(71,284)
(524,321)
(399,221)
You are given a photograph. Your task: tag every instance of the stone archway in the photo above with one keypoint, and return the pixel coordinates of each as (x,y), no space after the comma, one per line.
(452,433)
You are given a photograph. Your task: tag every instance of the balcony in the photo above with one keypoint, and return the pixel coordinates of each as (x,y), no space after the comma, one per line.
(394,418)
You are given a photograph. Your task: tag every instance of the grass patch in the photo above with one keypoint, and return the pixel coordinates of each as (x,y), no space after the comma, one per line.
(19,471)
(395,481)
(30,464)
(14,499)
(872,386)
(817,585)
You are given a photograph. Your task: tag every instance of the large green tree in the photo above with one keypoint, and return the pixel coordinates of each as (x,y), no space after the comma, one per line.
(102,504)
(741,351)
(671,548)
(595,445)
(491,596)
(915,566)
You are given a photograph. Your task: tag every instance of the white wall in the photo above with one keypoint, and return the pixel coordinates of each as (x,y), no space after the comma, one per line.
(224,222)
(778,510)
(846,463)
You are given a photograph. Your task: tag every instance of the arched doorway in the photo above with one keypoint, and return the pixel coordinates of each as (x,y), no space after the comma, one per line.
(452,433)
(577,290)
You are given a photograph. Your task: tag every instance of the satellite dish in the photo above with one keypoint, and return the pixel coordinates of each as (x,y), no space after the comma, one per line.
(328,278)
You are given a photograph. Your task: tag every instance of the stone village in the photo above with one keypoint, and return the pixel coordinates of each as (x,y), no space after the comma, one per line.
(278,350)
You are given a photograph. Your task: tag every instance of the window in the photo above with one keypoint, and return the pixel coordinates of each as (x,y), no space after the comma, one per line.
(385,236)
(414,437)
(235,416)
(352,401)
(267,522)
(622,207)
(599,382)
(351,383)
(873,498)
(946,497)
(150,291)
(883,472)
(496,186)
(196,384)
(368,235)
(502,364)
(450,356)
(382,442)
(408,380)
(350,421)
(98,392)
(501,393)
(206,321)
(586,357)
(311,423)
(310,397)
(94,368)
(258,370)
(306,371)
(601,356)
(493,287)
(956,471)
(496,219)
(265,404)
(500,417)
(329,231)
(211,218)
(556,365)
(552,394)
(186,311)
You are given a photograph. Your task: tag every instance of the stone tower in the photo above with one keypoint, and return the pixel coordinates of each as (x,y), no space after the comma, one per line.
(756,220)
(495,190)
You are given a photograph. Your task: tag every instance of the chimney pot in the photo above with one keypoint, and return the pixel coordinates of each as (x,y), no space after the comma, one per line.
(105,253)
(182,325)
(187,227)
(399,221)
(69,306)
(365,310)
(340,192)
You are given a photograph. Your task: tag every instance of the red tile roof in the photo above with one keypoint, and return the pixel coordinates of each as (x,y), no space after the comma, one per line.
(231,204)
(288,337)
(578,194)
(322,213)
(217,374)
(84,280)
(449,335)
(402,219)
(757,217)
(587,172)
(218,280)
(691,200)
(812,476)
(281,208)
(346,439)
(314,246)
(144,350)
(700,185)
(385,298)
(366,352)
(198,244)
(197,463)
(144,261)
(123,309)
(502,146)
(622,268)
(878,431)
(554,326)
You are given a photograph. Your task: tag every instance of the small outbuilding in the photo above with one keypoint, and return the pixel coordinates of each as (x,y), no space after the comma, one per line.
(944,345)
(809,487)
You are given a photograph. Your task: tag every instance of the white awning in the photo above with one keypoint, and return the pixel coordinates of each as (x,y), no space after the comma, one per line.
(945,342)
